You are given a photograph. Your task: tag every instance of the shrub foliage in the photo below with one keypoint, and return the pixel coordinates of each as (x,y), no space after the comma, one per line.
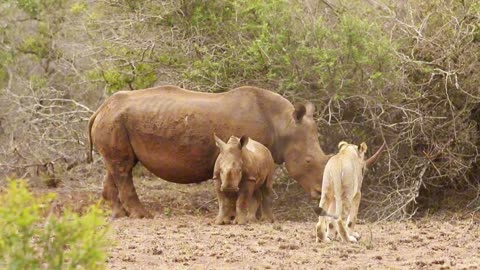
(34,237)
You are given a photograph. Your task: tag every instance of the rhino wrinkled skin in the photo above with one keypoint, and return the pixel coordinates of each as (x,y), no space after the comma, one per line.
(170,131)
(243,176)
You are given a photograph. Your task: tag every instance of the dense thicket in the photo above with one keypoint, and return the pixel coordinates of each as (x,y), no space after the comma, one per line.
(404,72)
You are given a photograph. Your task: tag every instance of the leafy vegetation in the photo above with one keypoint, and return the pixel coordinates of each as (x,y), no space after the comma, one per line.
(33,236)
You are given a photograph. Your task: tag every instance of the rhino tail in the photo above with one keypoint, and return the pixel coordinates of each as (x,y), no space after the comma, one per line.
(90,141)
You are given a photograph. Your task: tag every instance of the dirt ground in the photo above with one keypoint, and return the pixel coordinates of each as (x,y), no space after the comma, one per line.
(182,234)
(192,242)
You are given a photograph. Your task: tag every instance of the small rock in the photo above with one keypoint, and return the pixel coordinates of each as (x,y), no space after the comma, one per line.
(129,258)
(420,264)
(343,255)
(290,247)
(157,251)
(277,227)
(441,261)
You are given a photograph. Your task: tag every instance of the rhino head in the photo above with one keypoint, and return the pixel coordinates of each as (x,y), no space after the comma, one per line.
(300,149)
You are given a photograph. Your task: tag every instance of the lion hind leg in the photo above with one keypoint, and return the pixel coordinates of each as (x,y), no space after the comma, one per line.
(352,217)
(341,228)
(325,201)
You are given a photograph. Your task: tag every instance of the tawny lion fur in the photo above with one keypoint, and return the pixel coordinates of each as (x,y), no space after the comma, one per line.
(341,193)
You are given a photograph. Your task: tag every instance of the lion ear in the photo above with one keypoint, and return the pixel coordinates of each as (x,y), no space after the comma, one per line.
(341,145)
(363,148)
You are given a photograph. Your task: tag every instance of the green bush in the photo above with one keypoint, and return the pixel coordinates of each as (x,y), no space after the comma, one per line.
(33,237)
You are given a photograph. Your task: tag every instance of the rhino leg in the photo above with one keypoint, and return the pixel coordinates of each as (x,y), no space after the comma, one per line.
(267,199)
(128,195)
(110,194)
(244,199)
(232,201)
(224,205)
(122,175)
(254,206)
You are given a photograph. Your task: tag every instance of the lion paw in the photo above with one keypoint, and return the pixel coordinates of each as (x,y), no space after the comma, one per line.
(352,239)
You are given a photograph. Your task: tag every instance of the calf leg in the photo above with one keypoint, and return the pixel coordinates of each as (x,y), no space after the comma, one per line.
(267,199)
(253,206)
(223,216)
(244,198)
(231,206)
(110,194)
(258,196)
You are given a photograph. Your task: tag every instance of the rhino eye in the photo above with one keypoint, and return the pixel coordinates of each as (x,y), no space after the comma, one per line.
(308,160)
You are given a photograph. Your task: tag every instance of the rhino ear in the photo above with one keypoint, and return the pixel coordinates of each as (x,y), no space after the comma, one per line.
(302,110)
(220,144)
(299,113)
(243,141)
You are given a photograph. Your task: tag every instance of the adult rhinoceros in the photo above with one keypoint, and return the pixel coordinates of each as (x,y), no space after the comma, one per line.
(170,131)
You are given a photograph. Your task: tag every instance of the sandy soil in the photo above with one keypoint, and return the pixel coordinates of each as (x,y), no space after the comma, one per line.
(193,242)
(182,234)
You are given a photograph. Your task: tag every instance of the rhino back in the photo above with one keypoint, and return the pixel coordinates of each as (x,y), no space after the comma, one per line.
(258,161)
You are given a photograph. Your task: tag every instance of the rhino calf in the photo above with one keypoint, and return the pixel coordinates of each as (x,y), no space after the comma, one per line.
(243,176)
(341,192)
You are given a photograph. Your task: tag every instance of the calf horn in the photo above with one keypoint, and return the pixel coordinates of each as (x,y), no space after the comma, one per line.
(375,156)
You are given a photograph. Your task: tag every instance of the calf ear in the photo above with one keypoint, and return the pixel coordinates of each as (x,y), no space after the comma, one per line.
(220,144)
(363,147)
(243,141)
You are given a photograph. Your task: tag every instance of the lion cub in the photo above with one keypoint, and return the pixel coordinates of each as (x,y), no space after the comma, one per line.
(243,176)
(341,192)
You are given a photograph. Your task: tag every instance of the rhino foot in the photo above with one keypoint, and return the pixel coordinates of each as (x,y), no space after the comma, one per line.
(269,219)
(119,214)
(240,221)
(219,221)
(140,214)
(252,219)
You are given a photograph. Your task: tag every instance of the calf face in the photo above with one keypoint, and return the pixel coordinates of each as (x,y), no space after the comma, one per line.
(229,163)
